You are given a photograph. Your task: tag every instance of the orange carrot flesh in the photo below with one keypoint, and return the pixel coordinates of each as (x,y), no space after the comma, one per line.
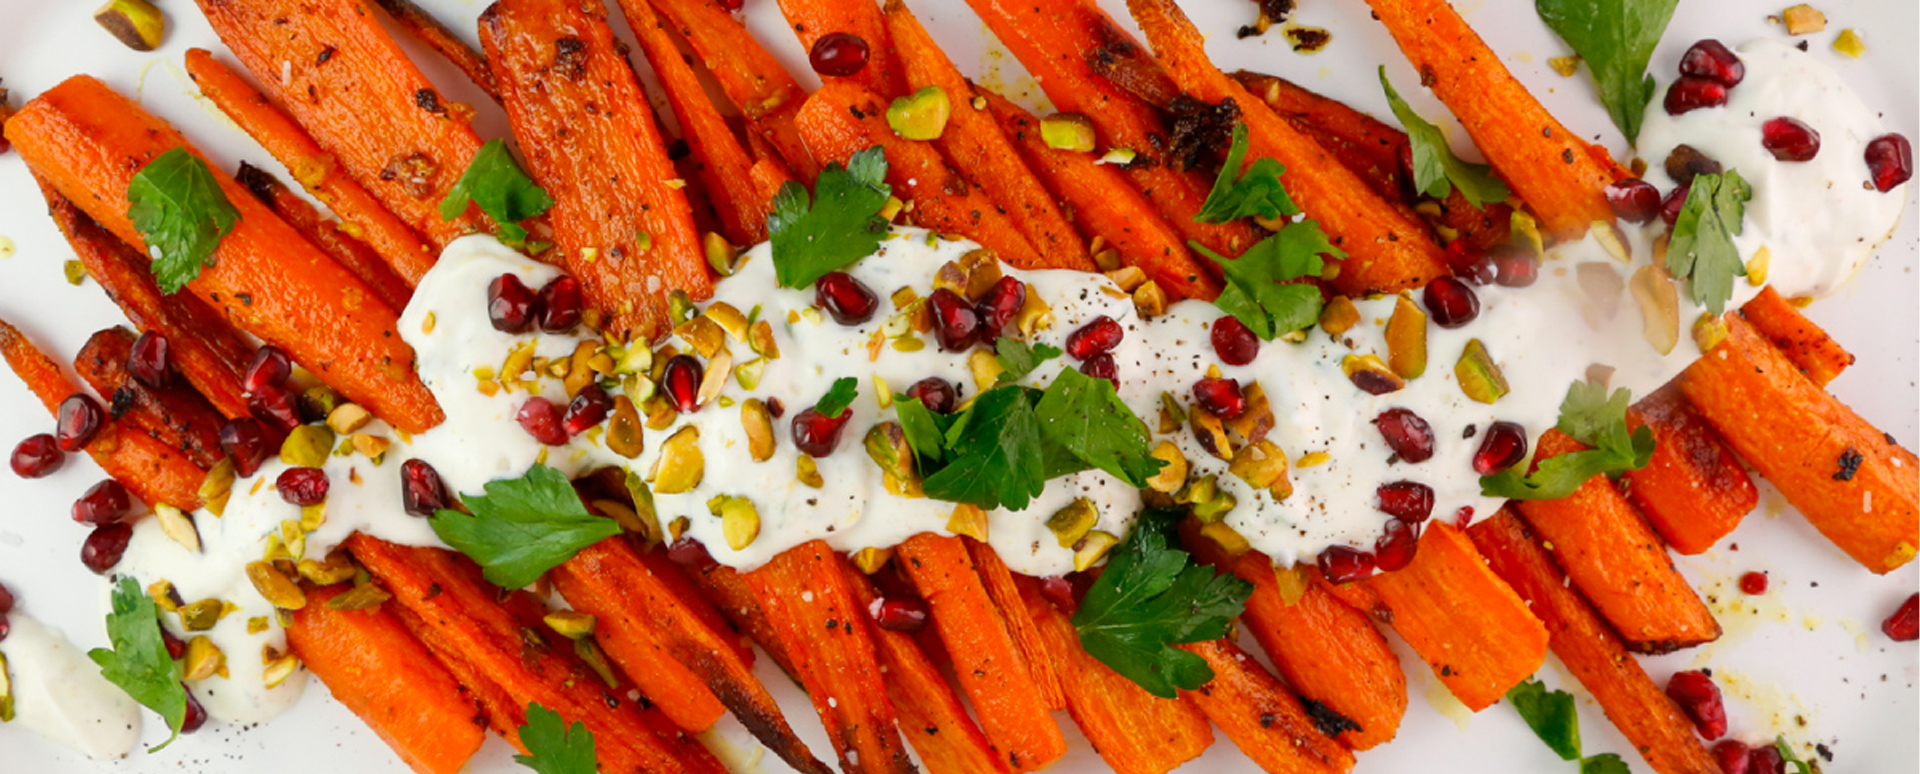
(1590,650)
(1852,481)
(591,140)
(680,585)
(750,76)
(88,141)
(812,20)
(172,414)
(326,234)
(1005,593)
(422,26)
(497,708)
(1618,562)
(1692,491)
(1265,721)
(730,593)
(1820,357)
(388,679)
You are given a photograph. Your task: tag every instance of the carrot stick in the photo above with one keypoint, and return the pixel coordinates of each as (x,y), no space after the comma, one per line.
(812,20)
(1260,716)
(89,141)
(591,140)
(1852,481)
(766,94)
(1615,559)
(1005,595)
(730,593)
(497,708)
(387,678)
(148,468)
(682,588)
(1550,168)
(327,234)
(1590,650)
(1012,708)
(1818,356)
(812,611)
(422,26)
(173,414)
(1693,491)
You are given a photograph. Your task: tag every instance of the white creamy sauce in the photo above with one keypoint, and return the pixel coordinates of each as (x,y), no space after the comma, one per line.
(58,693)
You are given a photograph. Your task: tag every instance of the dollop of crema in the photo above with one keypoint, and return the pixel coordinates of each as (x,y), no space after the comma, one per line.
(58,693)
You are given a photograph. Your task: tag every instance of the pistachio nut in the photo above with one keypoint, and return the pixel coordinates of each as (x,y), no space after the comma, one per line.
(1072,523)
(681,465)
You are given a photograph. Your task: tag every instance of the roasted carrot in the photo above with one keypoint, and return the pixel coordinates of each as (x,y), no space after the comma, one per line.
(327,234)
(1803,343)
(1550,168)
(729,592)
(387,678)
(6,112)
(591,140)
(812,611)
(1001,589)
(146,467)
(1692,491)
(1590,650)
(88,141)
(422,26)
(498,709)
(1012,708)
(172,414)
(1260,716)
(1615,559)
(681,586)
(765,93)
(812,20)
(1852,481)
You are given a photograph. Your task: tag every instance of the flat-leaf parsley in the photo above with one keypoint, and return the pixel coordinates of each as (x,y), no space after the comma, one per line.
(523,527)
(176,204)
(1152,597)
(839,225)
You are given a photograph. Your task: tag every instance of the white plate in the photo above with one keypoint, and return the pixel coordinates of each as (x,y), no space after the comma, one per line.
(1807,660)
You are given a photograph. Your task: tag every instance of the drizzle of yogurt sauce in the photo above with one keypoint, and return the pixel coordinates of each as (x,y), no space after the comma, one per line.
(59,693)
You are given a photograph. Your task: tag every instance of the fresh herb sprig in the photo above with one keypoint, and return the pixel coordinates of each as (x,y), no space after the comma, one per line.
(1701,249)
(1436,171)
(495,182)
(523,527)
(1551,716)
(176,204)
(1592,416)
(1256,193)
(838,397)
(139,662)
(1017,359)
(1259,289)
(1616,38)
(553,747)
(840,224)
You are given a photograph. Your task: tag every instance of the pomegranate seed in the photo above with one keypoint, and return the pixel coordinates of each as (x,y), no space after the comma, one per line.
(689,553)
(1503,446)
(38,456)
(303,486)
(196,715)
(1451,302)
(1691,93)
(816,434)
(511,305)
(560,305)
(1711,60)
(1408,501)
(1344,565)
(1697,696)
(1059,590)
(681,380)
(104,546)
(1406,433)
(5,627)
(277,407)
(1101,366)
(1233,342)
(1514,267)
(1002,302)
(148,360)
(1463,518)
(589,408)
(955,323)
(6,600)
(1904,624)
(1753,583)
(541,419)
(1732,755)
(1468,263)
(1220,397)
(838,54)
(900,614)
(246,442)
(270,368)
(77,421)
(1100,335)
(1633,200)
(1789,139)
(104,503)
(1396,545)
(732,5)
(1675,200)
(422,492)
(1890,161)
(935,393)
(775,408)
(847,299)
(176,647)
(1765,759)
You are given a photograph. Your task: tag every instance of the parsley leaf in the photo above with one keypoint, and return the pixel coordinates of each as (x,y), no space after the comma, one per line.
(523,527)
(1151,597)
(996,454)
(1086,417)
(1254,292)
(842,224)
(496,182)
(138,662)
(553,747)
(838,397)
(1593,417)
(1017,359)
(1702,245)
(1616,38)
(1551,716)
(1256,193)
(1604,763)
(926,431)
(1436,171)
(176,204)
(1792,758)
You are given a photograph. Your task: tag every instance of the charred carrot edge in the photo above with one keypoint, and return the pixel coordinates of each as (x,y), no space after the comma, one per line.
(730,593)
(750,76)
(679,584)
(842,119)
(1261,717)
(172,414)
(1693,491)
(1463,620)
(1590,650)
(576,119)
(1550,168)
(327,234)
(1328,652)
(146,467)
(811,20)
(1387,250)
(204,349)
(1013,710)
(1852,481)
(999,583)
(333,68)
(1618,562)
(497,710)
(1105,205)
(422,26)
(1817,354)
(688,670)
(973,142)
(387,678)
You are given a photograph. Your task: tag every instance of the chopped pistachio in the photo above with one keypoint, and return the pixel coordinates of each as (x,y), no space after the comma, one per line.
(1659,302)
(371,446)
(579,371)
(313,517)
(1257,419)
(703,334)
(137,24)
(258,624)
(758,422)
(870,560)
(921,115)
(319,401)
(1526,231)
(739,520)
(1174,473)
(1150,300)
(203,659)
(1479,376)
(278,670)
(338,567)
(178,524)
(1067,132)
(760,339)
(1216,508)
(6,692)
(571,624)
(348,418)
(1035,316)
(274,586)
(886,445)
(1407,339)
(1613,239)
(362,597)
(217,486)
(165,596)
(1092,549)
(1757,266)
(1709,331)
(307,446)
(638,359)
(1292,582)
(680,306)
(1850,44)
(681,465)
(968,520)
(1314,459)
(646,517)
(1211,432)
(1121,156)
(201,616)
(728,318)
(720,253)
(749,374)
(1263,465)
(589,652)
(1072,523)
(1128,277)
(1803,19)
(986,369)
(892,208)
(625,435)
(719,369)
(1566,66)
(1229,540)
(1339,315)
(1371,375)
(808,472)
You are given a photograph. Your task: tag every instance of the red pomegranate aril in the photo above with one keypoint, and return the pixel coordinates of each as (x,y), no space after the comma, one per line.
(589,408)
(77,420)
(838,54)
(1408,501)
(732,5)
(1396,546)
(681,382)
(1450,302)
(1059,590)
(935,393)
(1633,200)
(6,600)
(38,456)
(247,442)
(1515,268)
(561,304)
(817,434)
(1100,335)
(1789,139)
(148,359)
(541,419)
(1732,756)
(303,486)
(1463,518)
(1102,366)
(104,503)
(1710,59)
(277,407)
(1753,583)
(998,307)
(6,627)
(1222,398)
(271,368)
(1344,565)
(176,647)
(1233,342)
(1675,200)
(1766,759)
(1691,93)
(955,323)
(1407,434)
(196,715)
(848,300)
(422,492)
(900,614)
(1904,624)
(1502,446)
(1469,263)
(691,554)
(104,546)
(511,305)
(1890,161)
(1698,697)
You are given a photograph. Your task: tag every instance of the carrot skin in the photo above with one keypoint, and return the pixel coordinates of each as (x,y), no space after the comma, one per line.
(1805,344)
(681,586)
(765,93)
(1265,721)
(422,26)
(497,709)
(1693,491)
(1005,594)
(174,414)
(812,20)
(327,234)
